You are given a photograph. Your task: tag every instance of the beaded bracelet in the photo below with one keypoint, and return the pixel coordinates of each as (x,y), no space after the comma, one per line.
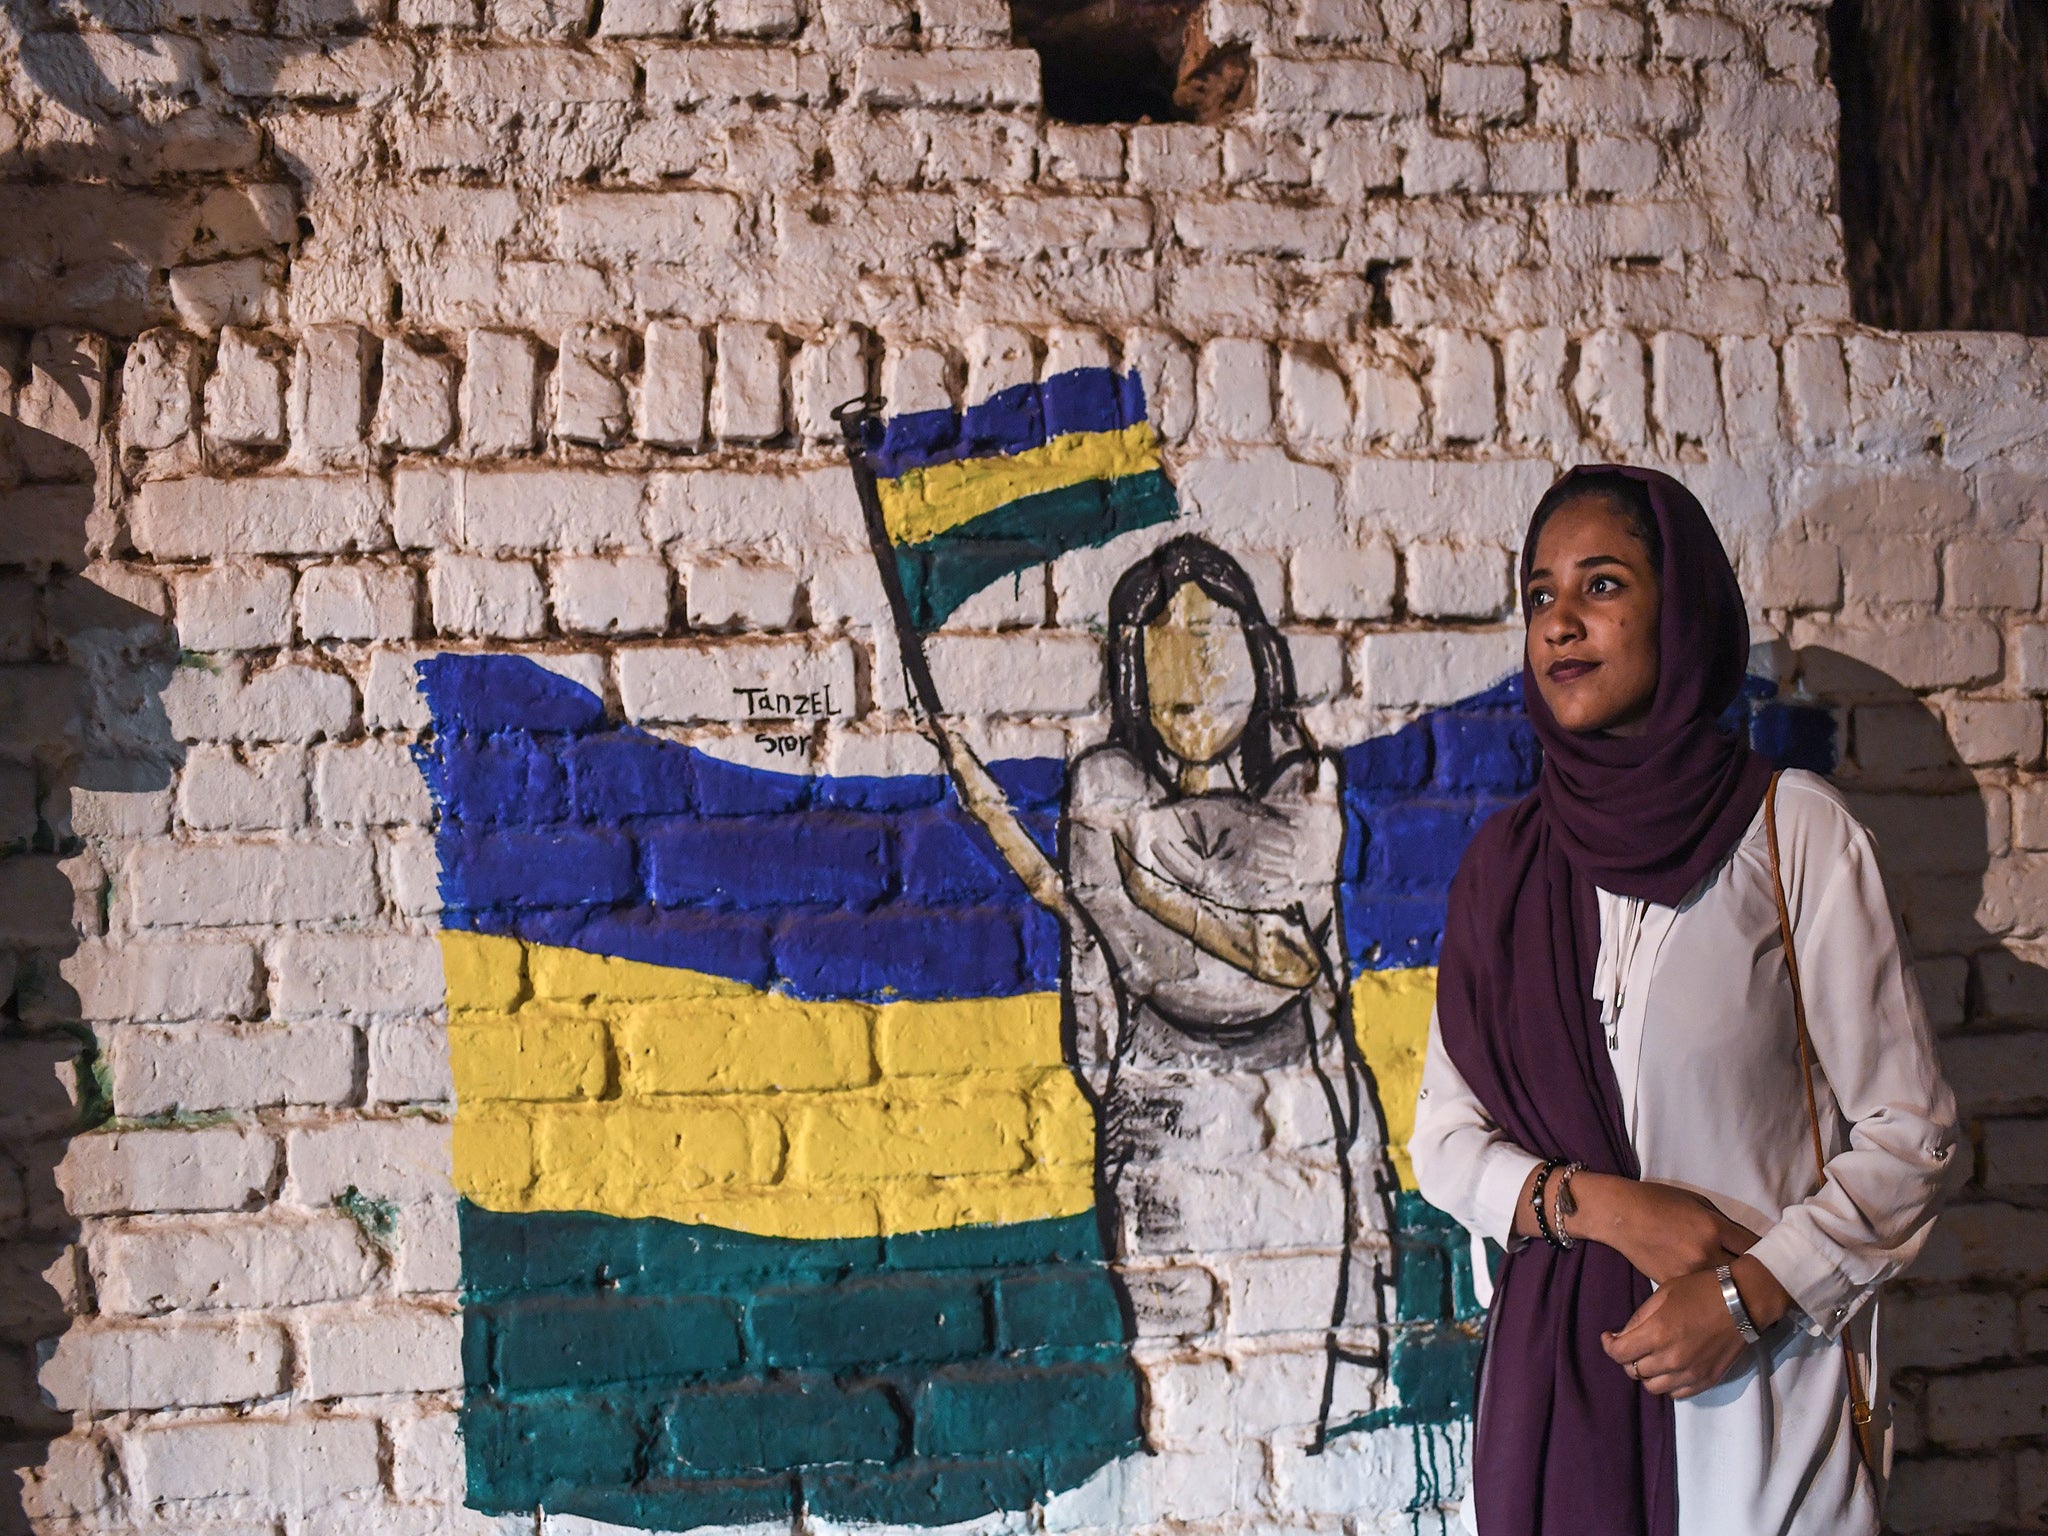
(1550,1166)
(1565,1205)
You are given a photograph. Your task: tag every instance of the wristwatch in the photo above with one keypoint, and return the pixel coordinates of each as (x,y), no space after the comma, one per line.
(1732,1298)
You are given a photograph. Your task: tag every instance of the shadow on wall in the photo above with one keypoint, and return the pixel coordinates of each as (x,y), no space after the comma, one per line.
(85,754)
(1943,840)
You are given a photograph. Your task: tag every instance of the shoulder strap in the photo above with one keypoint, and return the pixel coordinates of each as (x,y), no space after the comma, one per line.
(1859,1401)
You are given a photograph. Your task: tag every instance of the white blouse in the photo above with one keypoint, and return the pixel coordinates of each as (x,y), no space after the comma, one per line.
(1699,1025)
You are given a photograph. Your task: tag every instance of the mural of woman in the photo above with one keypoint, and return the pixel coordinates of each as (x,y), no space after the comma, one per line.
(1207,1007)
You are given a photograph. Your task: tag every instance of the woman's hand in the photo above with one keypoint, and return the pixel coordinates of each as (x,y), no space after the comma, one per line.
(1664,1231)
(1683,1340)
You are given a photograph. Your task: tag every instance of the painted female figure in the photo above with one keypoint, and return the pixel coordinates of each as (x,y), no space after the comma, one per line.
(1207,990)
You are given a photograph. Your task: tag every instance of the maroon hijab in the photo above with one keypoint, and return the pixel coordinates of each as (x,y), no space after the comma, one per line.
(1567,1445)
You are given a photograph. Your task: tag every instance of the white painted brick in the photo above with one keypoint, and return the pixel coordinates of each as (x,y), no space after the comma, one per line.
(556,510)
(368,784)
(357,601)
(213,885)
(427,1463)
(1996,730)
(916,379)
(746,388)
(268,515)
(330,394)
(72,1483)
(132,980)
(1434,166)
(731,595)
(1247,226)
(623,595)
(17,805)
(1083,152)
(426,507)
(827,372)
(357,973)
(199,1068)
(412,872)
(1258,488)
(221,1168)
(1022,673)
(1529,166)
(742,679)
(1695,35)
(999,357)
(244,393)
(946,77)
(653,226)
(287,702)
(1234,390)
(1601,35)
(61,400)
(1461,386)
(1621,166)
(1610,385)
(1450,581)
(689,76)
(233,607)
(159,382)
(1166,371)
(673,379)
(1340,88)
(1988,573)
(500,393)
(266,1260)
(259,790)
(1171,156)
(361,1353)
(409,1062)
(1389,404)
(1929,653)
(1313,403)
(475,595)
(1343,582)
(1797,573)
(1496,93)
(415,398)
(1816,389)
(1683,391)
(1749,390)
(295,1464)
(402,1159)
(590,392)
(1536,407)
(127,1366)
(1426,669)
(1068,347)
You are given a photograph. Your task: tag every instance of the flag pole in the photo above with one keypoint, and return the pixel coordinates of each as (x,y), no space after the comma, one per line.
(855,417)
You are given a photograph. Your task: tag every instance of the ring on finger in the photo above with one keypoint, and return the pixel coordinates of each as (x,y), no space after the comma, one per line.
(1631,1369)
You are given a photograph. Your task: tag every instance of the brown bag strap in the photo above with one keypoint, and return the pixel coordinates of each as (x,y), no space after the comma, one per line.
(1859,1401)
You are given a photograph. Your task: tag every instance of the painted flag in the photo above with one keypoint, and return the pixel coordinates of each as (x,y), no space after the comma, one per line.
(969,497)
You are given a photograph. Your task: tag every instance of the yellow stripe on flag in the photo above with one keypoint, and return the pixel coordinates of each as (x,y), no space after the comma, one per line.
(920,504)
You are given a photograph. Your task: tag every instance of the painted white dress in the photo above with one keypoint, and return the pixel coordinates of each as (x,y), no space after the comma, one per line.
(1700,1029)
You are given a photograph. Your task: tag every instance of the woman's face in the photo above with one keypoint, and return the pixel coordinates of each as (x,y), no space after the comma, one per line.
(1592,604)
(1198,675)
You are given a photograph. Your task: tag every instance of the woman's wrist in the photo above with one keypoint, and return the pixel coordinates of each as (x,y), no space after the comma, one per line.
(1762,1296)
(1601,1199)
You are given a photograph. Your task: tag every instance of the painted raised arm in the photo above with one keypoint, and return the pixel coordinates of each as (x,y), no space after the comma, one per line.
(985,801)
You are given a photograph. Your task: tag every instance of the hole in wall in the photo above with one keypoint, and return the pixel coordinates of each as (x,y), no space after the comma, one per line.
(1944,144)
(1132,61)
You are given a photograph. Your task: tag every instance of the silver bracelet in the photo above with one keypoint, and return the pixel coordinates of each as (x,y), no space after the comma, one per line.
(1732,1298)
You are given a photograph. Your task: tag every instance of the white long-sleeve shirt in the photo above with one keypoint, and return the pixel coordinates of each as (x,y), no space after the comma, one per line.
(1699,1024)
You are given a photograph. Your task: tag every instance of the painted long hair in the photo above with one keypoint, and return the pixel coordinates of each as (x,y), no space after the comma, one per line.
(1273,737)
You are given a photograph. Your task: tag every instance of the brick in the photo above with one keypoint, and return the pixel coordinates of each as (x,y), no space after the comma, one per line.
(1986,1407)
(737,680)
(730,595)
(689,76)
(624,595)
(1493,93)
(673,381)
(943,77)
(1610,384)
(1166,368)
(1683,394)
(1083,152)
(1313,403)
(825,373)
(590,393)
(233,607)
(258,790)
(1462,386)
(1816,389)
(222,1168)
(1342,583)
(1340,88)
(243,1261)
(2015,1154)
(1939,1494)
(1602,35)
(1435,166)
(288,702)
(396,1349)
(1246,227)
(1697,36)
(409,1063)
(159,385)
(403,1159)
(296,1464)
(1520,29)
(500,393)
(475,595)
(126,1366)
(330,394)
(245,393)
(357,601)
(369,784)
(1400,670)
(1234,390)
(265,515)
(1749,390)
(1447,581)
(1949,1330)
(1026,228)
(1996,730)
(1623,166)
(534,76)
(1986,573)
(1534,378)
(132,980)
(1529,166)
(415,398)
(1614,100)
(746,388)
(556,510)
(1019,674)
(220,884)
(197,1069)
(356,973)
(62,399)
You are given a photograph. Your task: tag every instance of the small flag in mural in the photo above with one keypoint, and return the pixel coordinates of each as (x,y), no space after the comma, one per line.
(969,497)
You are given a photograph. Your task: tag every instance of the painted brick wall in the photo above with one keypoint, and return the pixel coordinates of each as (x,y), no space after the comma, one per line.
(347,336)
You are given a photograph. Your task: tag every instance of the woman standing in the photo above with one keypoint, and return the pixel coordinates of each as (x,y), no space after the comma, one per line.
(1613,1087)
(1207,992)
